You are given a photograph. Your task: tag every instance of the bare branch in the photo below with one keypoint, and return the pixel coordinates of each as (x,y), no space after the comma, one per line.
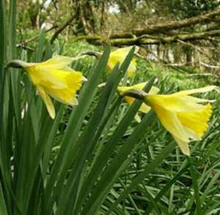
(61,28)
(24,43)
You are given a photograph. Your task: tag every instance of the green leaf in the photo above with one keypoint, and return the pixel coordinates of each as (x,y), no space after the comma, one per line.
(40,47)
(109,147)
(196,188)
(3,45)
(14,73)
(3,210)
(75,122)
(117,166)
(147,170)
(166,189)
(86,147)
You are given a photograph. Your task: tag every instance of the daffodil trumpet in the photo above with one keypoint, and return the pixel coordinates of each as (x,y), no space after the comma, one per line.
(53,78)
(180,113)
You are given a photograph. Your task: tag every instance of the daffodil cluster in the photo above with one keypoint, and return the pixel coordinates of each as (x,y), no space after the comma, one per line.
(183,115)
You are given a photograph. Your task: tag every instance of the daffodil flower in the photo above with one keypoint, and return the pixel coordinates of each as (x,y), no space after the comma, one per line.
(182,115)
(144,108)
(53,78)
(119,55)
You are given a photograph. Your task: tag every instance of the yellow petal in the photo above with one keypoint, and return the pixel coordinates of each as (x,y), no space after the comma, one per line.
(50,72)
(140,86)
(57,62)
(61,85)
(144,108)
(184,146)
(48,102)
(174,102)
(124,51)
(171,122)
(73,102)
(47,76)
(137,118)
(119,55)
(198,90)
(132,68)
(129,100)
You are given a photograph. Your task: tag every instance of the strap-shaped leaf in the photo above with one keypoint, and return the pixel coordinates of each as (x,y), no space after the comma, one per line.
(86,96)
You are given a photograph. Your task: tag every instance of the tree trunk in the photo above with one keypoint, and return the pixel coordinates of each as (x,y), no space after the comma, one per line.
(85,17)
(177,54)
(188,52)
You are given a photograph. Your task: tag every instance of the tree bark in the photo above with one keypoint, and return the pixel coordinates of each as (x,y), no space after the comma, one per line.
(86,22)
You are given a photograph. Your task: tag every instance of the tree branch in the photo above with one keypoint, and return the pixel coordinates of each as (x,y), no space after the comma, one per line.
(61,28)
(25,42)
(150,40)
(204,18)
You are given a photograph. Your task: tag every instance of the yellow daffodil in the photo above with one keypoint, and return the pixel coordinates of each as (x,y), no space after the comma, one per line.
(144,108)
(182,115)
(119,55)
(53,78)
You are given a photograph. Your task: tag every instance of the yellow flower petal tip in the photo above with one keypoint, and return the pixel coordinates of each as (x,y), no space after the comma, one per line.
(144,108)
(119,55)
(48,102)
(183,115)
(55,78)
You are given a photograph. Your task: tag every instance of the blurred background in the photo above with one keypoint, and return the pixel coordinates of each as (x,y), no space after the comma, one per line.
(180,34)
